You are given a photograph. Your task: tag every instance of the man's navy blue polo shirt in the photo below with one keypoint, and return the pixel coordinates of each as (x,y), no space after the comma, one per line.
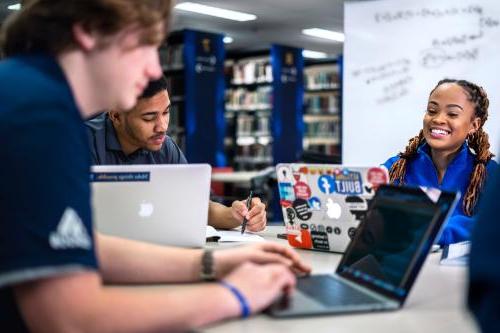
(105,149)
(45,214)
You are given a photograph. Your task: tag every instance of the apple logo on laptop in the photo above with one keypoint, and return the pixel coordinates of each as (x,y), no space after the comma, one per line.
(333,209)
(146,209)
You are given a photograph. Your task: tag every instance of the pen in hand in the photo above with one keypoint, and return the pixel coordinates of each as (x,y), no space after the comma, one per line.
(248,204)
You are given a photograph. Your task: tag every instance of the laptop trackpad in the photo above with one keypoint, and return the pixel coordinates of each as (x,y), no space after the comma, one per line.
(331,292)
(296,303)
(319,294)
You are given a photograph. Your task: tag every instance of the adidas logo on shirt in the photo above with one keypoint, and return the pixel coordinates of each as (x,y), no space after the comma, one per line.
(70,233)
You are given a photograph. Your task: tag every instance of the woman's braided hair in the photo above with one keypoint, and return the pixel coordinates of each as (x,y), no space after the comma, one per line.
(478,141)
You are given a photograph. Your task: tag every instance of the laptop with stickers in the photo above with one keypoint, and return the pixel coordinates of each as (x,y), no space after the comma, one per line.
(382,262)
(163,204)
(322,204)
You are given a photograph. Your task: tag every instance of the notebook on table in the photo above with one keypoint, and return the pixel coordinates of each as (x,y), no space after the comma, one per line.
(230,236)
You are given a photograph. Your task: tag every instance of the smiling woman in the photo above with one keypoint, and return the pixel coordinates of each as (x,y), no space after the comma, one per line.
(451,151)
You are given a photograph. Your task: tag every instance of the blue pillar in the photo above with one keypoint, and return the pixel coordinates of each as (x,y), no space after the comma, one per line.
(287,116)
(288,94)
(204,97)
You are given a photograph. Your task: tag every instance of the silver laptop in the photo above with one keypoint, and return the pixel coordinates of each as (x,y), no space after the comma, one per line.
(323,204)
(163,204)
(383,260)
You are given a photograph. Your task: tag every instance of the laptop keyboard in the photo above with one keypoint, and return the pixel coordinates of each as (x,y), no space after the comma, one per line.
(331,292)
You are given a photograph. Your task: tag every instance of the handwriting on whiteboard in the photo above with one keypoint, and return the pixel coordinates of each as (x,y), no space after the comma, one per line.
(393,77)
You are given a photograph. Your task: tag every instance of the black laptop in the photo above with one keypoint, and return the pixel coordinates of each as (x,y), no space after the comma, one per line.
(383,260)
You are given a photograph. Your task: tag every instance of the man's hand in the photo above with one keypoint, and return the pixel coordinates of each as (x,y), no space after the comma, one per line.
(261,284)
(226,260)
(256,216)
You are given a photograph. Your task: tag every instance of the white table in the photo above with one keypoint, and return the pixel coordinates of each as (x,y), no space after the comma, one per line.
(435,304)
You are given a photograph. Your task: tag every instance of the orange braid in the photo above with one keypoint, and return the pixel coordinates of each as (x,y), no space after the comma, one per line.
(478,141)
(398,169)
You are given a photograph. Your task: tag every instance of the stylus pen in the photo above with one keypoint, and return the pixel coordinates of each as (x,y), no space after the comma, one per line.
(245,221)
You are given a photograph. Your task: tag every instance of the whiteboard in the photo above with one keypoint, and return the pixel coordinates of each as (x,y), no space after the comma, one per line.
(395,52)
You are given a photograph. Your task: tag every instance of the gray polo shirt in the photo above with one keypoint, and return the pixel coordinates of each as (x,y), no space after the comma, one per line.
(105,149)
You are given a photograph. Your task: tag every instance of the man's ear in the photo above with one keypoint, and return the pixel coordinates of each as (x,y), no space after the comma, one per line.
(85,39)
(114,117)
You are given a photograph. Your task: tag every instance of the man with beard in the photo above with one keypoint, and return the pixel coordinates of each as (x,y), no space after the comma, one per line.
(138,136)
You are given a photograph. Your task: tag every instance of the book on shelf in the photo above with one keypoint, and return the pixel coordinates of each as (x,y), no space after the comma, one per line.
(322,77)
(242,98)
(321,104)
(252,71)
(171,57)
(322,107)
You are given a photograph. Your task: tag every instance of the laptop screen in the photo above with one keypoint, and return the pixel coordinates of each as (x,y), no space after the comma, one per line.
(393,240)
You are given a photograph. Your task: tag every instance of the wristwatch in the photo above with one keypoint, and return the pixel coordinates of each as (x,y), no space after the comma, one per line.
(207,272)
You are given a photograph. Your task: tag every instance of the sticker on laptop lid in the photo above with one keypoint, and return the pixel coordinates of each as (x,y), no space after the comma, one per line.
(348,182)
(355,202)
(119,177)
(287,192)
(301,207)
(314,203)
(297,176)
(377,177)
(284,174)
(351,232)
(299,236)
(302,190)
(320,239)
(326,184)
(290,214)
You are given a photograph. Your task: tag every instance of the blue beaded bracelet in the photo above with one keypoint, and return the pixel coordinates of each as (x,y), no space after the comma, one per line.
(245,309)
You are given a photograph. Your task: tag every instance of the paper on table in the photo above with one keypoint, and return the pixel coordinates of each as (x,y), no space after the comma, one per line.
(211,232)
(456,254)
(236,236)
(232,235)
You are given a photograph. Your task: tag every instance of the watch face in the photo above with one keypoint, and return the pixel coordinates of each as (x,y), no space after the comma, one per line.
(207,266)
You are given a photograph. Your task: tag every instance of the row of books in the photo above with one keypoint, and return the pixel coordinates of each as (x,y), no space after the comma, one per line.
(251,72)
(242,98)
(171,57)
(321,78)
(321,104)
(322,129)
(253,126)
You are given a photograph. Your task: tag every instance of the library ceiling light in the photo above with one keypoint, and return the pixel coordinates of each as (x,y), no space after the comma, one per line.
(16,6)
(314,54)
(227,40)
(214,11)
(322,33)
